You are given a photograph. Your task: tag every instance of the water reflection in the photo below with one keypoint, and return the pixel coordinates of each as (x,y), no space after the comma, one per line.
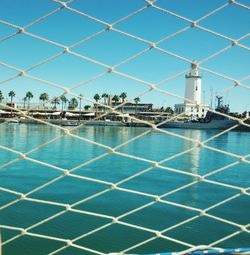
(193,159)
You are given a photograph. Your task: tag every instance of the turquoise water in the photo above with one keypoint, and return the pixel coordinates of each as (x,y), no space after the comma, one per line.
(68,153)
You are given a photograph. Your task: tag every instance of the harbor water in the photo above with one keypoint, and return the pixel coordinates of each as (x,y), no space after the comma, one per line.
(70,153)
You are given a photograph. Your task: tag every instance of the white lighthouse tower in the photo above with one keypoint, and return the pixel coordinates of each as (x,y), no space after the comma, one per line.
(193,86)
(192,105)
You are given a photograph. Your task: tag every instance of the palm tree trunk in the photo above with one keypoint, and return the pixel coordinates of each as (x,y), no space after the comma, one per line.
(11,100)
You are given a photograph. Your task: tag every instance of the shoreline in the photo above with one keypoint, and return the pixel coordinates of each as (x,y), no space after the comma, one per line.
(61,122)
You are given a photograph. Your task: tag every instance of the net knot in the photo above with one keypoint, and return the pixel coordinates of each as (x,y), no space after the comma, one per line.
(66,90)
(158,234)
(66,172)
(22,197)
(66,131)
(113,186)
(243,228)
(24,232)
(111,151)
(199,145)
(115,220)
(157,198)
(193,24)
(152,87)
(243,191)
(21,30)
(66,50)
(236,83)
(63,4)
(153,126)
(242,123)
(202,213)
(22,156)
(110,70)
(68,207)
(155,164)
(152,45)
(149,3)
(231,1)
(234,43)
(69,243)
(201,178)
(22,73)
(109,27)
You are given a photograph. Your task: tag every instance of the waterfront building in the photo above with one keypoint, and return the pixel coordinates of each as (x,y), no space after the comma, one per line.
(128,107)
(192,105)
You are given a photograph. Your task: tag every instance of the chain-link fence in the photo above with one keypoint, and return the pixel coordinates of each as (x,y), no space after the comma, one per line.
(151,235)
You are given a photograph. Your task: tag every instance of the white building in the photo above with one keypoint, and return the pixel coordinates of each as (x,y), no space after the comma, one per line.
(192,96)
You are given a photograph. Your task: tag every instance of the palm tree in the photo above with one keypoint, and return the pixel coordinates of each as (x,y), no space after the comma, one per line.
(1,97)
(73,103)
(115,99)
(44,97)
(80,107)
(55,101)
(28,96)
(11,94)
(97,98)
(123,96)
(169,110)
(87,107)
(24,102)
(105,96)
(64,100)
(137,100)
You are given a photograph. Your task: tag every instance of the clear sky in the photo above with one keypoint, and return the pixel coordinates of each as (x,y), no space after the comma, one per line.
(67,28)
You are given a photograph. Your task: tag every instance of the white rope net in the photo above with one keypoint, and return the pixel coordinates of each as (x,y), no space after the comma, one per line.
(157,205)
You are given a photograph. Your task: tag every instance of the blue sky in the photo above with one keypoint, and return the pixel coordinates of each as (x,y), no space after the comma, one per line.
(67,28)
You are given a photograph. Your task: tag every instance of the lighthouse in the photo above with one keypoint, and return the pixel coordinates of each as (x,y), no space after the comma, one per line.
(193,86)
(192,105)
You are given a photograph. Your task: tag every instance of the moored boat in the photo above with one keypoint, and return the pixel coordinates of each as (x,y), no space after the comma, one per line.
(13,121)
(212,120)
(70,124)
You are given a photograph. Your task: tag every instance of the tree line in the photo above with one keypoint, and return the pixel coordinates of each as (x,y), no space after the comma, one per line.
(73,103)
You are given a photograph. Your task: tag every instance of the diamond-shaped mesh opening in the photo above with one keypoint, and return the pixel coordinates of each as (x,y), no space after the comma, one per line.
(62,156)
(65,22)
(226,210)
(110,11)
(23,51)
(111,238)
(69,190)
(201,195)
(164,216)
(83,224)
(196,161)
(29,244)
(17,216)
(230,176)
(151,66)
(196,227)
(232,28)
(99,47)
(158,181)
(163,23)
(111,168)
(112,203)
(27,176)
(66,70)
